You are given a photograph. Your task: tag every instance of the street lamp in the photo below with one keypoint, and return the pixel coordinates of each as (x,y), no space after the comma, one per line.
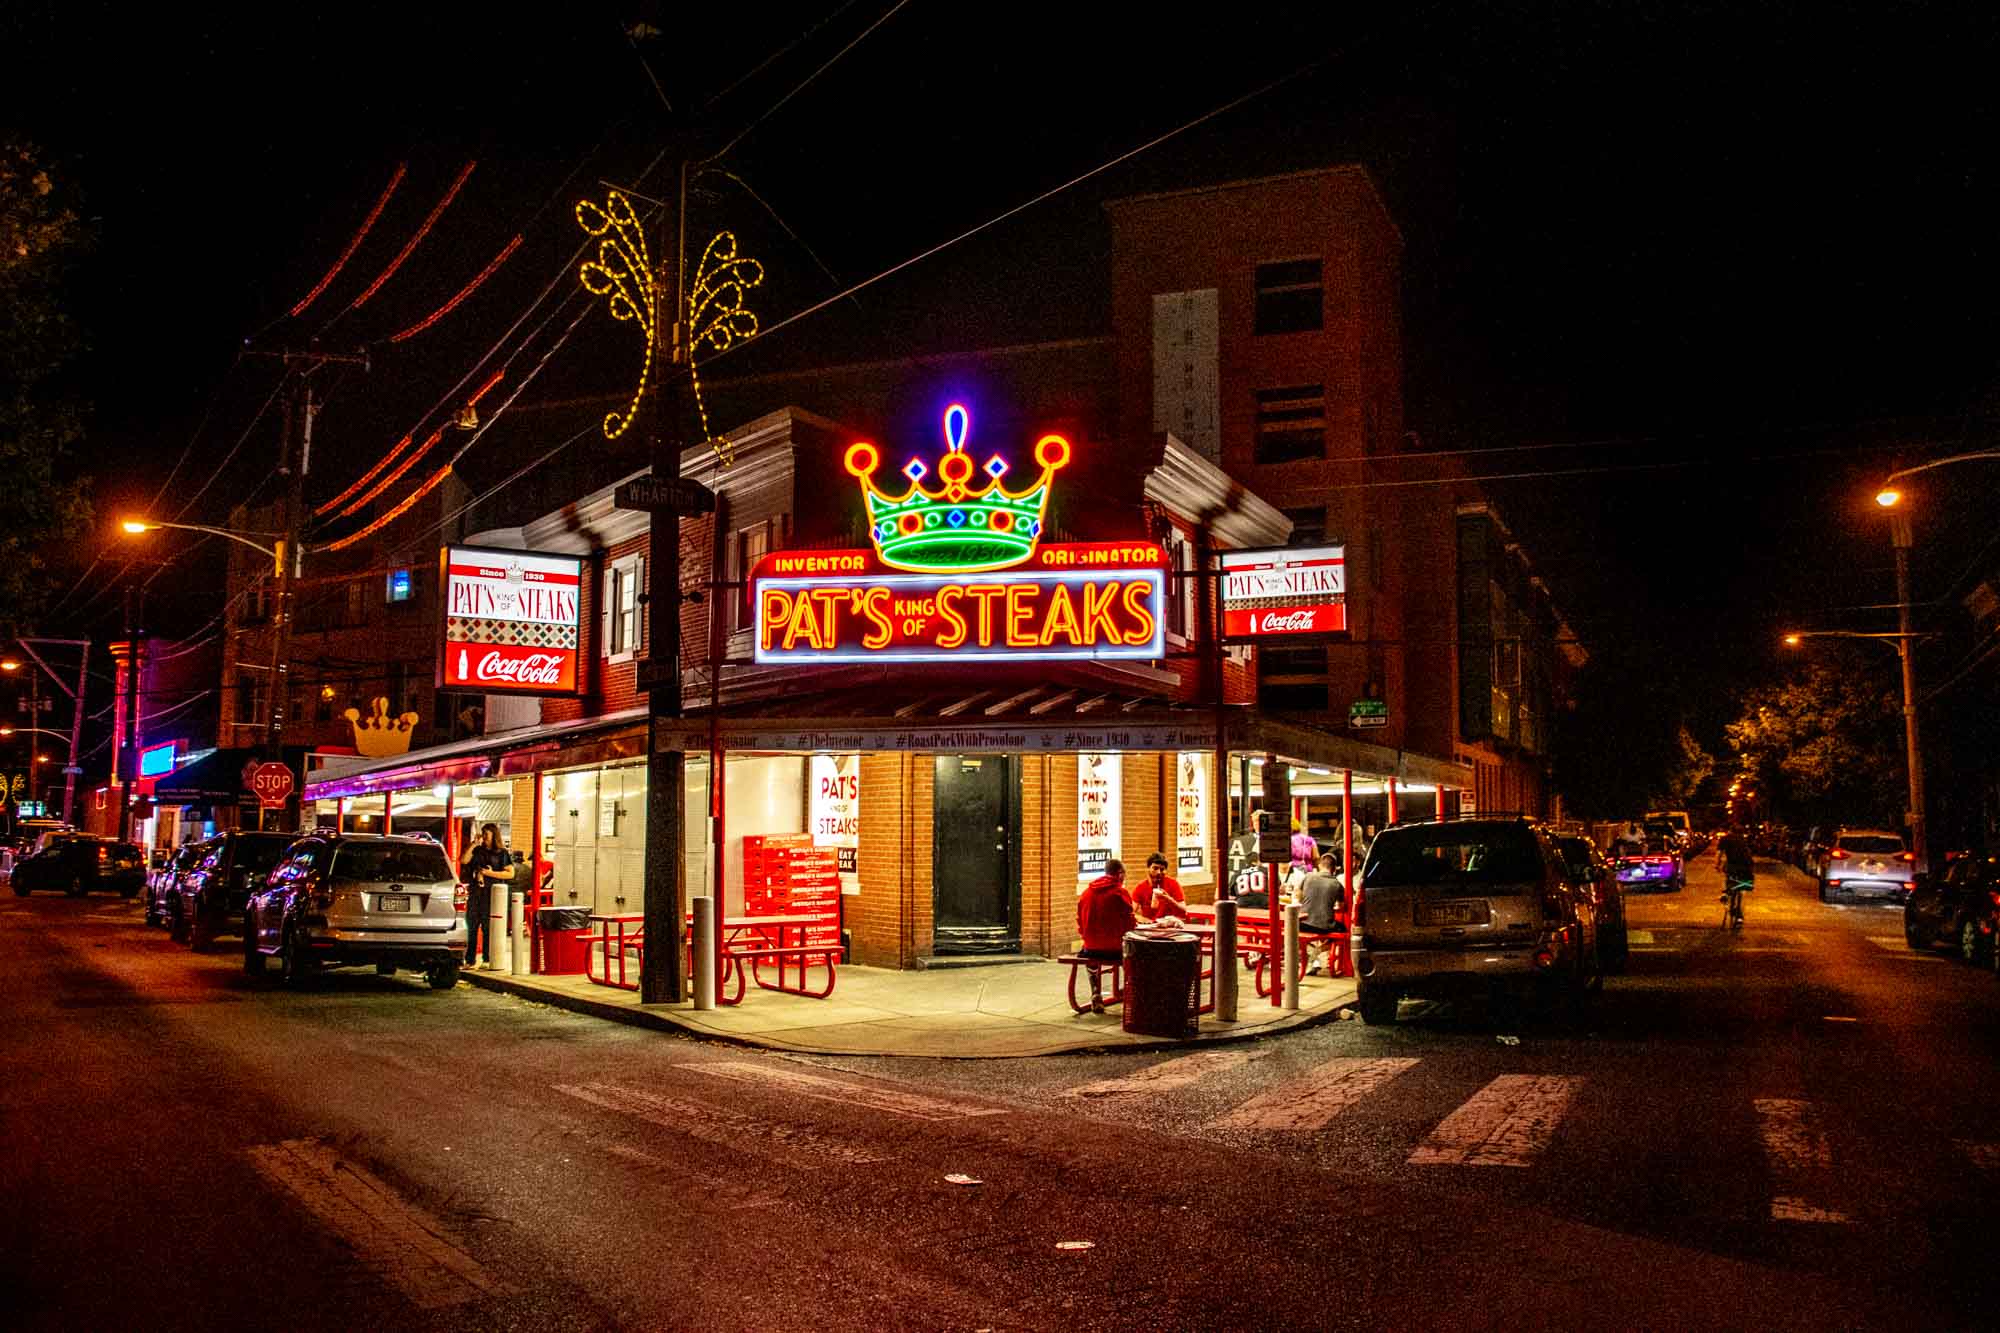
(1913,762)
(139,527)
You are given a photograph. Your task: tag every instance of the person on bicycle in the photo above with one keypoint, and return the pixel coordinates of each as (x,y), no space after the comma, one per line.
(1733,859)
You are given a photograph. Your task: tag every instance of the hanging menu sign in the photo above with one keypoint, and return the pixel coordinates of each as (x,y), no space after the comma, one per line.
(1284,592)
(511,621)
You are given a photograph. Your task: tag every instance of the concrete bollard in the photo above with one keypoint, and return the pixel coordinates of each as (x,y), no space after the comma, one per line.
(1225,960)
(704,952)
(517,933)
(1292,911)
(494,954)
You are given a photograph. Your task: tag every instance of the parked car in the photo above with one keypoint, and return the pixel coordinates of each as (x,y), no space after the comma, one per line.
(78,863)
(1591,872)
(164,883)
(1657,865)
(1871,863)
(358,899)
(1956,910)
(1470,905)
(210,897)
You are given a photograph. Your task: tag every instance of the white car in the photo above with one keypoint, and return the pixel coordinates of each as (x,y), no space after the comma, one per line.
(356,899)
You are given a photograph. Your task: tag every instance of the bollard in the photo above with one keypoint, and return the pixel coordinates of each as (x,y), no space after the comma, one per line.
(1292,911)
(1225,960)
(495,952)
(517,933)
(704,952)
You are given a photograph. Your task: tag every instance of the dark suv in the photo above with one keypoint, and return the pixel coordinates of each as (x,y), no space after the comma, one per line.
(209,898)
(163,884)
(77,863)
(1956,910)
(1484,904)
(1590,871)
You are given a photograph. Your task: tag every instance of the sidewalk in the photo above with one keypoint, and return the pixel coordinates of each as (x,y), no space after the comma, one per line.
(1006,1010)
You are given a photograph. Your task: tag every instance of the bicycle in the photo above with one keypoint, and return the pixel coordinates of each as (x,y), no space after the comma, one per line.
(1732,903)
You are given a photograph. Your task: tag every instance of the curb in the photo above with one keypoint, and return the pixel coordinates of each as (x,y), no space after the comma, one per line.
(663,1020)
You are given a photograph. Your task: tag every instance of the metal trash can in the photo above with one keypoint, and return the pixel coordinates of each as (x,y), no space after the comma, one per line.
(565,934)
(1162,983)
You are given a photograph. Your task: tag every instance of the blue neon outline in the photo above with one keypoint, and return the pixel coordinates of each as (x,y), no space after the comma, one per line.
(964,426)
(1144,652)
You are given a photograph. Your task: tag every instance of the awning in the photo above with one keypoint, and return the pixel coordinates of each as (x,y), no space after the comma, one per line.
(457,761)
(214,779)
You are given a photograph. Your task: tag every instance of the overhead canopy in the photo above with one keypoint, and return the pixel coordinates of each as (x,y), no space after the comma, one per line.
(214,779)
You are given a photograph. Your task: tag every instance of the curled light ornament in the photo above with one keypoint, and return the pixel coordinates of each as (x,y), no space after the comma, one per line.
(623,275)
(718,318)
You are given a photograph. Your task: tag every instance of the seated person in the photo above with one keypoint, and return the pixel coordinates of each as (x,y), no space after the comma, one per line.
(1160,895)
(1325,913)
(1104,913)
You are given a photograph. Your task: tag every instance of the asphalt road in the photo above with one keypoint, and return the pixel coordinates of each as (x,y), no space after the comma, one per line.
(1788,1128)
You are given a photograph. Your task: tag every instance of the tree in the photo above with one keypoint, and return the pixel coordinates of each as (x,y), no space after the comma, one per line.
(40,419)
(1826,741)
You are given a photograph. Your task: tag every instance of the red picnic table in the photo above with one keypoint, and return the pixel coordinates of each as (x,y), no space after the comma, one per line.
(747,944)
(1255,947)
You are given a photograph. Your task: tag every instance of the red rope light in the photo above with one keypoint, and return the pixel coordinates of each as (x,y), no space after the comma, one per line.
(464,292)
(394,477)
(487,387)
(369,476)
(414,241)
(355,244)
(392,515)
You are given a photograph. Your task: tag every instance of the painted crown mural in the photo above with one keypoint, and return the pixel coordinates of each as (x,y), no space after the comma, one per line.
(956,527)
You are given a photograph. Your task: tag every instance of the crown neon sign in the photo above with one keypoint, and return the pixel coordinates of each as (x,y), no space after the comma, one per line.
(957,527)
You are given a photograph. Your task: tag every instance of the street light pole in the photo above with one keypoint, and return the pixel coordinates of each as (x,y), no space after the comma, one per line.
(1906,650)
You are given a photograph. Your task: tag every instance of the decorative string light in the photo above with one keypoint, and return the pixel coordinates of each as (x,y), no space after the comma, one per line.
(391,515)
(623,274)
(416,240)
(374,492)
(718,318)
(355,244)
(367,477)
(463,292)
(408,463)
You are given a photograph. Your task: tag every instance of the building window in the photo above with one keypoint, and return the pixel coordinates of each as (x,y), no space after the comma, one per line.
(1288,296)
(357,602)
(622,583)
(746,548)
(402,586)
(1181,584)
(1292,679)
(251,697)
(1308,526)
(1291,424)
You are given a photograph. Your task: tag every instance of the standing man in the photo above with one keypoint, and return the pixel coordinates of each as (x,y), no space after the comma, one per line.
(1103,914)
(486,861)
(1160,894)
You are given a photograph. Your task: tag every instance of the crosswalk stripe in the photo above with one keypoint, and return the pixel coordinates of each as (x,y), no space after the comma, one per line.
(1177,1072)
(408,1247)
(789,1142)
(1797,1153)
(913,1104)
(1506,1123)
(1313,1101)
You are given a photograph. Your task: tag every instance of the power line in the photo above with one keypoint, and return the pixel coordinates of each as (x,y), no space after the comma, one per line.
(771,59)
(801,86)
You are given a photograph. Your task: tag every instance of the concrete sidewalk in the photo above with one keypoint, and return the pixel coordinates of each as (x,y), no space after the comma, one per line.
(1006,1010)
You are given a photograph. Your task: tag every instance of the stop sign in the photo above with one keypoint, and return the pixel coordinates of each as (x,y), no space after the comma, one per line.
(270,783)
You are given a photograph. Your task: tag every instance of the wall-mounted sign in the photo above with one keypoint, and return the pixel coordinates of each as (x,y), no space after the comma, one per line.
(1284,592)
(1191,811)
(833,814)
(511,621)
(1368,713)
(1100,791)
(158,760)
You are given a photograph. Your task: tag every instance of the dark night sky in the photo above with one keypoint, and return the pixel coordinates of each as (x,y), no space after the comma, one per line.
(1745,249)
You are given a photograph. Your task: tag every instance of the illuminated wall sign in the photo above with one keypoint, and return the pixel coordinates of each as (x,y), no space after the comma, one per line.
(511,621)
(1284,592)
(833,816)
(158,760)
(1100,794)
(959,573)
(1191,829)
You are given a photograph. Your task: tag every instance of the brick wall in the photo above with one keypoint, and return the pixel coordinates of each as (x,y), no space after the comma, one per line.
(1061,851)
(1042,907)
(1140,813)
(891,917)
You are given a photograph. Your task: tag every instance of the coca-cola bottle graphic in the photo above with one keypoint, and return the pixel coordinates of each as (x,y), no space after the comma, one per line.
(464,666)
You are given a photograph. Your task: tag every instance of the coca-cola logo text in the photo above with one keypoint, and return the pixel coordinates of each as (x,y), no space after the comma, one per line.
(533,669)
(1275,622)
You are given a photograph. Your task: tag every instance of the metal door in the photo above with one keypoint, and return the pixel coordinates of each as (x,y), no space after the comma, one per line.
(974,868)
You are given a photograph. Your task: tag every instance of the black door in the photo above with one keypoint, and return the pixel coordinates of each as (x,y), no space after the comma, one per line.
(977,908)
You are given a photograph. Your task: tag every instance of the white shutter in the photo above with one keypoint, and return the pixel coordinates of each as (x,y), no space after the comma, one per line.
(640,612)
(606,603)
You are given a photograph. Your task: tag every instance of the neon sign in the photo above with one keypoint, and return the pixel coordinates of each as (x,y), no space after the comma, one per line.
(957,527)
(1086,600)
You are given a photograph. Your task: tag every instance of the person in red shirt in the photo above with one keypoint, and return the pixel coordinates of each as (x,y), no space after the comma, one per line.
(1160,895)
(1103,914)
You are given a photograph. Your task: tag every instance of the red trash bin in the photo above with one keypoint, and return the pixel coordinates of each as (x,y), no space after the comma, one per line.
(1162,983)
(565,934)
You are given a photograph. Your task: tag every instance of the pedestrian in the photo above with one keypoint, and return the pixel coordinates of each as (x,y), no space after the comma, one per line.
(485,861)
(1104,913)
(1325,914)
(1160,895)
(1305,849)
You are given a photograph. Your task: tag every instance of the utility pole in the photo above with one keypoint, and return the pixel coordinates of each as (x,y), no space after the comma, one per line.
(34,736)
(71,770)
(1906,650)
(128,751)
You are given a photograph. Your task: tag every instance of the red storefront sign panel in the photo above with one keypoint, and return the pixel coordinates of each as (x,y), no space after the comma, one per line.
(512,621)
(1083,600)
(1283,592)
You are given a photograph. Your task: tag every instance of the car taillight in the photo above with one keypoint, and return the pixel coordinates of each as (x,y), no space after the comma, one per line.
(1911,857)
(1659,860)
(1837,853)
(460,894)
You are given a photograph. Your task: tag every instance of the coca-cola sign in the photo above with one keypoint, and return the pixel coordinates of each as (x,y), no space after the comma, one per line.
(1285,592)
(511,621)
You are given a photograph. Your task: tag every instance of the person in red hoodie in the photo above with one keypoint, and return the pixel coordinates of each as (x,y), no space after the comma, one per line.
(1103,914)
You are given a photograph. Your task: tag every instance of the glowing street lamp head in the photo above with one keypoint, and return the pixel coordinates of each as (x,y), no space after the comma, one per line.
(1791,641)
(136,526)
(1888,497)
(10,664)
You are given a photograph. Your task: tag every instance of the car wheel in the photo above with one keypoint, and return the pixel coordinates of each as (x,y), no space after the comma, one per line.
(253,958)
(152,909)
(1823,893)
(21,890)
(294,967)
(1378,1006)
(385,969)
(442,976)
(1913,935)
(201,929)
(75,889)
(177,927)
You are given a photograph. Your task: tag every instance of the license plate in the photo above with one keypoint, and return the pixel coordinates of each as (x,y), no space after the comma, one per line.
(1472,913)
(392,902)
(1871,865)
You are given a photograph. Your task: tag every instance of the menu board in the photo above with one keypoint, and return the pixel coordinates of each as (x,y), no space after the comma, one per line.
(1191,829)
(510,621)
(833,816)
(784,874)
(1099,791)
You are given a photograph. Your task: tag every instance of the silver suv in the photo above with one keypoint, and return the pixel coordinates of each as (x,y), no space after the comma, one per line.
(337,901)
(1454,906)
(1867,862)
